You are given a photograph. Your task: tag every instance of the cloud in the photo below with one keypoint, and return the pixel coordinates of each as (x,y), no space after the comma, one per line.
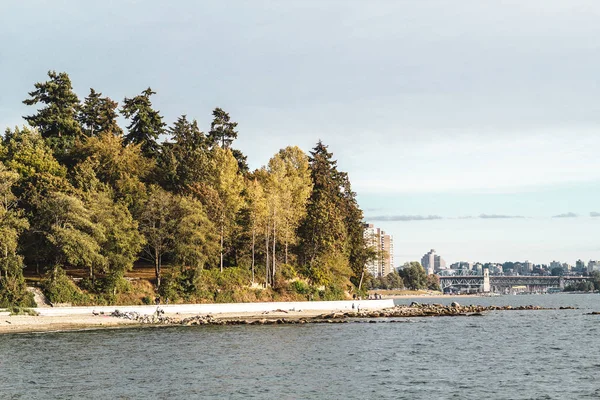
(594,214)
(499,216)
(404,218)
(566,215)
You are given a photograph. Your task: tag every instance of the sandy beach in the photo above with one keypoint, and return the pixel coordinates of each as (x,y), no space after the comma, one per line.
(80,318)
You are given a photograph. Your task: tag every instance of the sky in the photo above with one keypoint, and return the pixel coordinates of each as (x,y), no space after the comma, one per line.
(469,127)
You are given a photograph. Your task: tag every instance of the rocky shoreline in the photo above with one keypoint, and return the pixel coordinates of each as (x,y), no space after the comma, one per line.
(357,316)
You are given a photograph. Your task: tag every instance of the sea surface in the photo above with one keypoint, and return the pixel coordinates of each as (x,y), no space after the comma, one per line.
(550,354)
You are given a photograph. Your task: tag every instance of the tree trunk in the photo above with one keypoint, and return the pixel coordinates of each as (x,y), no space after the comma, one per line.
(253,240)
(222,246)
(274,241)
(286,252)
(157,267)
(362,275)
(267,256)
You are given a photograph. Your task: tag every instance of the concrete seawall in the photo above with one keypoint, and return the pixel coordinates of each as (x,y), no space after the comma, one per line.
(325,306)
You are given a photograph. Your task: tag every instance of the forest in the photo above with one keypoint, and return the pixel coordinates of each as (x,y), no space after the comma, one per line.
(78,192)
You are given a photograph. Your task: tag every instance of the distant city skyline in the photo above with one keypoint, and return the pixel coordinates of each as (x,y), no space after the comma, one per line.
(469,127)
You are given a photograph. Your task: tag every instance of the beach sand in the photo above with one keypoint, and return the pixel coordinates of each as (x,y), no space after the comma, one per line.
(77,321)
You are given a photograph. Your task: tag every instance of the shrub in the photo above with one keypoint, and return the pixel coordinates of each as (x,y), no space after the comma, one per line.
(58,288)
(300,287)
(14,310)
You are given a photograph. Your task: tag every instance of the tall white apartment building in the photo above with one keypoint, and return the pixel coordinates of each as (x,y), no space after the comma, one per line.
(383,244)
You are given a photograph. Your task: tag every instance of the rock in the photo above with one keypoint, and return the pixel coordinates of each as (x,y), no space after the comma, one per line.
(454,304)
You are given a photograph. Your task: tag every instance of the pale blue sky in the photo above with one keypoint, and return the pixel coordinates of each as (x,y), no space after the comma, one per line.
(452,109)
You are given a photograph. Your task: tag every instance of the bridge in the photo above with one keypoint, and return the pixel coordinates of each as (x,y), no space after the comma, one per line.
(472,282)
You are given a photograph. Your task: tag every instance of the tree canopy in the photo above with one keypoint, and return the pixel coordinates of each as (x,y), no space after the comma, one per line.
(79,195)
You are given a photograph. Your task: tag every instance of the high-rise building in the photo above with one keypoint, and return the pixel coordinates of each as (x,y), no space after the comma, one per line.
(432,262)
(383,244)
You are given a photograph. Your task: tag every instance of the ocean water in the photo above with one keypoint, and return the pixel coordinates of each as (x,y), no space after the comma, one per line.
(550,354)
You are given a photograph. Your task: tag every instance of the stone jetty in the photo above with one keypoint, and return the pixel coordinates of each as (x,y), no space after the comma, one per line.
(371,316)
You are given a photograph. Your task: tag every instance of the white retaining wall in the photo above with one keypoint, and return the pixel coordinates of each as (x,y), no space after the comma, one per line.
(225,307)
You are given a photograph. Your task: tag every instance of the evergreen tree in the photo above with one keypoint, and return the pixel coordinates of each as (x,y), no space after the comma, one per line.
(146,123)
(323,231)
(57,119)
(222,129)
(98,114)
(185,160)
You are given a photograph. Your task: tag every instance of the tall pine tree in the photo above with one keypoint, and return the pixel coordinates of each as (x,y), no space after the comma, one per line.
(98,114)
(146,123)
(57,119)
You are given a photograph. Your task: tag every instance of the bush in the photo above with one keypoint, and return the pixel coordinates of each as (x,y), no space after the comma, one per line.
(300,287)
(14,310)
(59,288)
(13,290)
(333,292)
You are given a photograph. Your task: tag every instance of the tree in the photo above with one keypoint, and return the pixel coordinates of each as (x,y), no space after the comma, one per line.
(12,223)
(222,129)
(258,215)
(67,224)
(122,242)
(433,282)
(39,174)
(159,227)
(176,226)
(121,167)
(185,161)
(221,195)
(288,185)
(323,233)
(57,119)
(196,243)
(98,114)
(557,271)
(393,280)
(414,276)
(146,123)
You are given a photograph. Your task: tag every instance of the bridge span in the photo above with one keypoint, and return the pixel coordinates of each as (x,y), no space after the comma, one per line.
(471,282)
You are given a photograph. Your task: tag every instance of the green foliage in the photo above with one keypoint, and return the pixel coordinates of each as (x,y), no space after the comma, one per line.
(300,287)
(331,234)
(413,275)
(56,120)
(580,287)
(98,114)
(22,310)
(222,129)
(59,288)
(433,282)
(391,281)
(205,285)
(146,123)
(76,192)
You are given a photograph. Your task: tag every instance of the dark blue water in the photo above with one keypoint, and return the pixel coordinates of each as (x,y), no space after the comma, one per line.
(502,355)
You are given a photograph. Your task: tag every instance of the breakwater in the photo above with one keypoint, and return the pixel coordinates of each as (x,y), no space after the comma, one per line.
(356,316)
